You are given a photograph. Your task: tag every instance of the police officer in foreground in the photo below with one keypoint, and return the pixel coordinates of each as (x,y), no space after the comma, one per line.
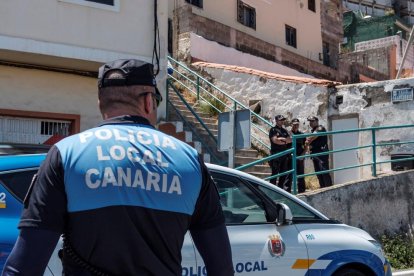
(318,144)
(124,194)
(300,150)
(280,141)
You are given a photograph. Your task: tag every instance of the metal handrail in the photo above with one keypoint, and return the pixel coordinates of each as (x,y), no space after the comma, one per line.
(218,161)
(374,145)
(191,110)
(236,104)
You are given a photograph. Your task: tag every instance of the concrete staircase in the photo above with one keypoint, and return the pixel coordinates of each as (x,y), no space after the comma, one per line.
(202,141)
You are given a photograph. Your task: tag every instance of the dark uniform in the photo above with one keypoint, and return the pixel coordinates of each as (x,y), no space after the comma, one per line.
(118,182)
(321,163)
(283,163)
(300,163)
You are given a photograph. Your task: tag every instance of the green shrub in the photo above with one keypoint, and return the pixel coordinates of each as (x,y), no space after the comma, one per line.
(209,109)
(399,250)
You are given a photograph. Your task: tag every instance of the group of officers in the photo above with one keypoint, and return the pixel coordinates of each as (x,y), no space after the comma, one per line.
(281,140)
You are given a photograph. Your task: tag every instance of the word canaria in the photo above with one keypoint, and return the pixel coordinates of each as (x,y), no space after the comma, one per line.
(140,136)
(239,267)
(133,179)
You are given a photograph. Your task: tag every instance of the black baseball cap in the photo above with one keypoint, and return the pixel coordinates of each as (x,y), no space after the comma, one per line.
(295,121)
(133,72)
(312,118)
(280,118)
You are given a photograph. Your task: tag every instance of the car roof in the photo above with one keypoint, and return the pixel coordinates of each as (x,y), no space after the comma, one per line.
(17,148)
(20,161)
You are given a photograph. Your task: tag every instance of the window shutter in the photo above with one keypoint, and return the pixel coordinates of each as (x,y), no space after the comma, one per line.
(240,11)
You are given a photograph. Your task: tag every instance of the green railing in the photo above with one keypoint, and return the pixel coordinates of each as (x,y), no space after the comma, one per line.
(216,159)
(373,146)
(207,92)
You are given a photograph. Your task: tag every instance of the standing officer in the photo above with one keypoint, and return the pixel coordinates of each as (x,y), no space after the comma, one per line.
(124,194)
(300,166)
(318,144)
(280,141)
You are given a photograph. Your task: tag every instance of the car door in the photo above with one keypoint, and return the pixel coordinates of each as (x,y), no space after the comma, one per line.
(13,187)
(258,245)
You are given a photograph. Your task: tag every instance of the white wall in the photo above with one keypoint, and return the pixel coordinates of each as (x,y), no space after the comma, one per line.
(293,100)
(127,31)
(79,35)
(45,91)
(211,51)
(371,102)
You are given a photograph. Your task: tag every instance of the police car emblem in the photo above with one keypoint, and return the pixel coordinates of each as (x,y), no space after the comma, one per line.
(276,245)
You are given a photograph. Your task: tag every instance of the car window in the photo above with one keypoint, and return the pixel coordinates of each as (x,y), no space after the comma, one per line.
(17,182)
(298,211)
(239,203)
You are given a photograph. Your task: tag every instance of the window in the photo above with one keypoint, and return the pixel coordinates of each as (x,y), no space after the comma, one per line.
(326,54)
(197,3)
(17,183)
(52,128)
(105,2)
(290,36)
(298,211)
(312,5)
(112,5)
(246,14)
(239,203)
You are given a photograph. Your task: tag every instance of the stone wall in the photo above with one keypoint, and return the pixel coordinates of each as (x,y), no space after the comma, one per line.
(276,94)
(379,205)
(332,30)
(381,62)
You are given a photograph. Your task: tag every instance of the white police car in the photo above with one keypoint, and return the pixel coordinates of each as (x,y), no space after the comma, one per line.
(271,232)
(274,233)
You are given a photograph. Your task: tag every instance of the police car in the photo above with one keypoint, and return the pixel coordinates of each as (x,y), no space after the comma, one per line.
(271,232)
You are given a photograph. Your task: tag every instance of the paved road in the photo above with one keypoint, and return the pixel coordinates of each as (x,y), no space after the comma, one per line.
(403,273)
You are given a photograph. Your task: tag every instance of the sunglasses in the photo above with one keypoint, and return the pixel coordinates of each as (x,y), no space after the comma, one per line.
(158,97)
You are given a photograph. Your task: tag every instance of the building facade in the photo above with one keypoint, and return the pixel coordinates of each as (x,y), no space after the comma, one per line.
(50,52)
(285,32)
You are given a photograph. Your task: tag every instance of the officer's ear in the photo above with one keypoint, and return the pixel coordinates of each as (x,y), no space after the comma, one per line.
(148,103)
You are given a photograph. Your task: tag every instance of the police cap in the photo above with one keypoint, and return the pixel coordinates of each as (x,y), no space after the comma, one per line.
(312,118)
(295,121)
(132,71)
(280,118)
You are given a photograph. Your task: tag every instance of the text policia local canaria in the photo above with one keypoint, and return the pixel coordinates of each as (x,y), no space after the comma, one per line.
(131,177)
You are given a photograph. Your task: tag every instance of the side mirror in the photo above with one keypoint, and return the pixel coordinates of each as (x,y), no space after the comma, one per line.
(284,215)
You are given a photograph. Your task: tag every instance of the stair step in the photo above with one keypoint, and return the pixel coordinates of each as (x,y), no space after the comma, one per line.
(259,169)
(168,128)
(244,160)
(260,175)
(190,118)
(247,153)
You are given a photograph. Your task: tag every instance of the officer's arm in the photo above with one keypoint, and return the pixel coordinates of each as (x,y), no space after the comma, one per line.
(279,140)
(208,229)
(31,252)
(310,139)
(214,247)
